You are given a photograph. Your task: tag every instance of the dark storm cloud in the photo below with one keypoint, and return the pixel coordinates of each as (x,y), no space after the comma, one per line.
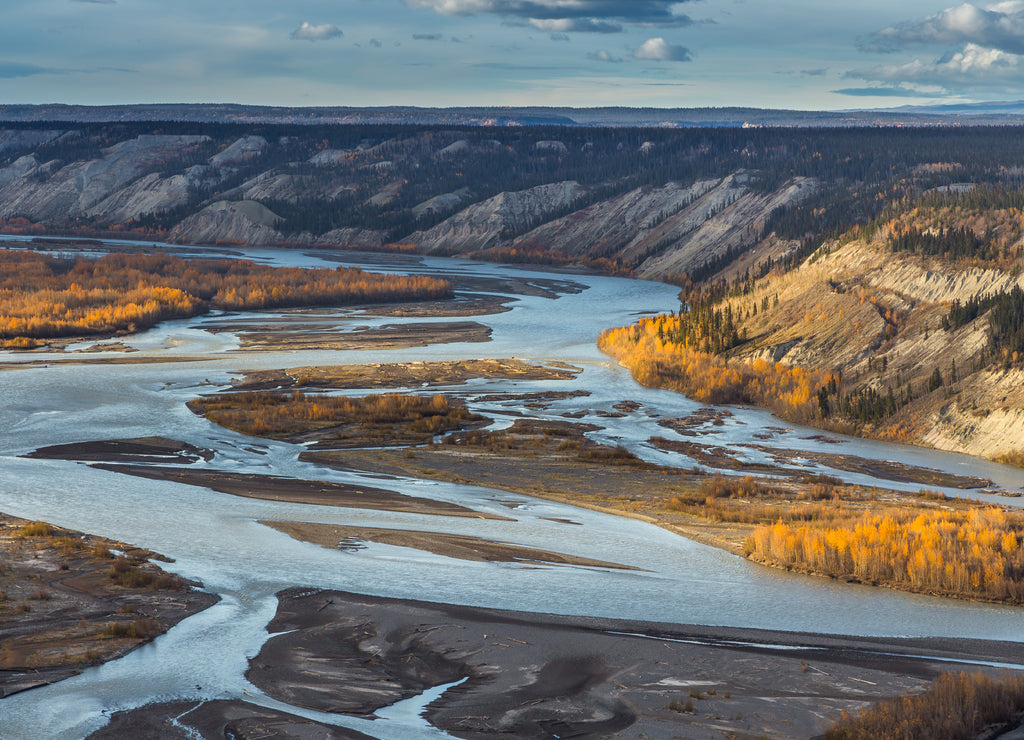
(594,16)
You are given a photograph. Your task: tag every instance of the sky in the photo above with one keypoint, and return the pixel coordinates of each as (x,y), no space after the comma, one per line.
(797,54)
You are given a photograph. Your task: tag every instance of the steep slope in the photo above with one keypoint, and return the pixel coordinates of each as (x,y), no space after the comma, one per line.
(875,318)
(492,221)
(615,225)
(669,230)
(733,221)
(910,328)
(230,222)
(54,192)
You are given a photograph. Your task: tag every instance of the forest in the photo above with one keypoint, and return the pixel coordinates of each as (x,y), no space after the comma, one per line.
(43,296)
(683,352)
(375,176)
(958,706)
(974,554)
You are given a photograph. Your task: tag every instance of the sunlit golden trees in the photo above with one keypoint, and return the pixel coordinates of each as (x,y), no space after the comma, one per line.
(666,351)
(956,707)
(43,296)
(969,554)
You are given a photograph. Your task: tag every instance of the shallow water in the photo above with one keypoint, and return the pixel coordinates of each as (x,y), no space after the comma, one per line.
(216,538)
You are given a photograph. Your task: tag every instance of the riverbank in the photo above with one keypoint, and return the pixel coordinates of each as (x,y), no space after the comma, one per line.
(70,600)
(534,675)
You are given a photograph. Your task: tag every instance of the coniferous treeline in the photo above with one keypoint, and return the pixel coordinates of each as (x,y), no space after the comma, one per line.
(858,171)
(952,243)
(1005,320)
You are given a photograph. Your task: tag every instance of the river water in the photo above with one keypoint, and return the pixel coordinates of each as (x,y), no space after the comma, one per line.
(216,538)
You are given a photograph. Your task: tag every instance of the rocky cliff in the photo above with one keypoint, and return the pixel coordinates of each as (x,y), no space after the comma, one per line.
(875,318)
(443,192)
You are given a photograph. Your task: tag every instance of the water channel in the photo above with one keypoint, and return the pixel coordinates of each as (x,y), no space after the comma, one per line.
(217,539)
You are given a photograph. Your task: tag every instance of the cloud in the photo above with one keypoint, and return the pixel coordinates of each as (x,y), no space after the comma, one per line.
(587,16)
(10,70)
(308,32)
(375,43)
(427,36)
(973,66)
(660,50)
(603,56)
(896,91)
(584,25)
(999,26)
(821,72)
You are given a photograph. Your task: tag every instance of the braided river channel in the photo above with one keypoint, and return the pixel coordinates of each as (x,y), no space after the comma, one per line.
(217,539)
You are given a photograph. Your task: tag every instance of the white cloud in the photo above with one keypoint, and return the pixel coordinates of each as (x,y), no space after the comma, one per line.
(998,26)
(603,56)
(308,32)
(660,50)
(972,67)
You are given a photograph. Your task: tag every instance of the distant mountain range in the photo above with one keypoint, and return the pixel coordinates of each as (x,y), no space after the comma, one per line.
(993,113)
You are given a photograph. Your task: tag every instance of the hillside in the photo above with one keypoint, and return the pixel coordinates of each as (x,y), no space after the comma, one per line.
(657,203)
(907,329)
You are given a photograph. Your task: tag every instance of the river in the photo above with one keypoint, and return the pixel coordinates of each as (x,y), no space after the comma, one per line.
(216,538)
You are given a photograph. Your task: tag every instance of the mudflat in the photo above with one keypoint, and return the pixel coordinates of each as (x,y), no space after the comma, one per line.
(299,490)
(70,600)
(403,374)
(463,547)
(542,676)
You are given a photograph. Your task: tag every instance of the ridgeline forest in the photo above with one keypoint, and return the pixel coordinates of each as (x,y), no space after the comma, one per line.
(860,279)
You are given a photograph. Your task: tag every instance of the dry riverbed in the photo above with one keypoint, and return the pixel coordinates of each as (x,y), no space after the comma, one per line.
(70,600)
(403,374)
(545,676)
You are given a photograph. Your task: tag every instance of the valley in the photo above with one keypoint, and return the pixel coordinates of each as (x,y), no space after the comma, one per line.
(259,512)
(609,377)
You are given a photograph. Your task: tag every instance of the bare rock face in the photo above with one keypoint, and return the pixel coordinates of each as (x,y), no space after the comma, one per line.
(51,192)
(330,157)
(18,169)
(626,222)
(725,218)
(271,186)
(242,150)
(352,238)
(233,222)
(442,203)
(923,284)
(485,224)
(876,317)
(456,147)
(149,194)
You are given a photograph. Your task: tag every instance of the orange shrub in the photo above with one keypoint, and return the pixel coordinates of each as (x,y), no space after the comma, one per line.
(42,296)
